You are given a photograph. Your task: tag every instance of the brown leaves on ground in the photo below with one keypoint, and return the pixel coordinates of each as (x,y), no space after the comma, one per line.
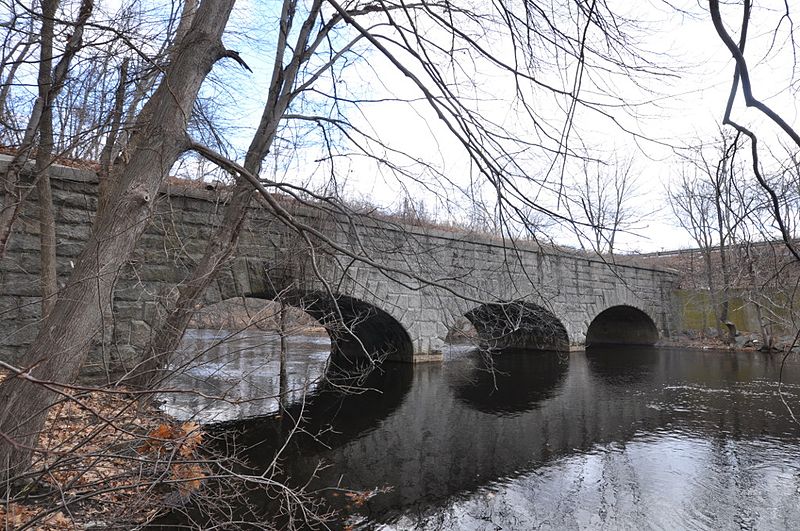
(189,477)
(178,440)
(168,438)
(15,516)
(109,459)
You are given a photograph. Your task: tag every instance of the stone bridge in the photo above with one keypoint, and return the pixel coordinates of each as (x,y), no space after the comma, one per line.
(376,284)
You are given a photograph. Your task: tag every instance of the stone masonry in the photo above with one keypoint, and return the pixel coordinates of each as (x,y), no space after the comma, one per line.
(373,282)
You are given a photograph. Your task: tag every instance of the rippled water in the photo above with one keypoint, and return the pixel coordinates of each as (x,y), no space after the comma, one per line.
(608,439)
(235,375)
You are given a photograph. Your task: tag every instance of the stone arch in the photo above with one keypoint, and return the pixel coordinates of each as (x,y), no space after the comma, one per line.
(518,325)
(622,325)
(358,328)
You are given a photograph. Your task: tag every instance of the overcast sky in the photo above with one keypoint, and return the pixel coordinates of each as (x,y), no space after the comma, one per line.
(673,111)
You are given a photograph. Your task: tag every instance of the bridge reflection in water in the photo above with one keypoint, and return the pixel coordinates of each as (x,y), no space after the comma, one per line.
(614,437)
(243,369)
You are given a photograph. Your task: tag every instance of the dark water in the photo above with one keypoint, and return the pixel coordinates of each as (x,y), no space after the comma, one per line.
(608,439)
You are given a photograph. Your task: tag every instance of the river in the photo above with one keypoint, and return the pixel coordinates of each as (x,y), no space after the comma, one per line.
(615,438)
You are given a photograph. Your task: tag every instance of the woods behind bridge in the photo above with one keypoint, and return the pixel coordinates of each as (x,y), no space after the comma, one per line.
(298,99)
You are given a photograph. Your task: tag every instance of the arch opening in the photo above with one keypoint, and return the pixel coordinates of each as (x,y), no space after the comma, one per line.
(518,325)
(268,352)
(255,313)
(358,329)
(622,325)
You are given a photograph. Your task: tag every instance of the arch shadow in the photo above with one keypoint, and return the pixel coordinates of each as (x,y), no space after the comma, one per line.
(509,384)
(518,325)
(259,441)
(354,406)
(622,325)
(624,366)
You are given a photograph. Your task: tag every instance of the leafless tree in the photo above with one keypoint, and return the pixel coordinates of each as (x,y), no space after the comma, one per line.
(429,45)
(18,42)
(40,123)
(603,198)
(708,204)
(743,85)
(68,332)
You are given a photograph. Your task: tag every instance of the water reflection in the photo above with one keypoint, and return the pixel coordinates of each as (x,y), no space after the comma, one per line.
(623,366)
(333,415)
(236,375)
(603,444)
(508,383)
(637,438)
(659,481)
(719,393)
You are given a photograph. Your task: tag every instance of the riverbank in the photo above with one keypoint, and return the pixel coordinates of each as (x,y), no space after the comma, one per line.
(105,460)
(744,342)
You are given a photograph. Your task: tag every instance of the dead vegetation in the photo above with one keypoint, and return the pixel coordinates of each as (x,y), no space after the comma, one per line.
(106,460)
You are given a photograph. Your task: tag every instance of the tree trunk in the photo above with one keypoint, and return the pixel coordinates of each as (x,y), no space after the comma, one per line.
(47,222)
(107,155)
(50,84)
(724,307)
(67,334)
(222,244)
(755,299)
(764,328)
(220,248)
(8,82)
(712,291)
